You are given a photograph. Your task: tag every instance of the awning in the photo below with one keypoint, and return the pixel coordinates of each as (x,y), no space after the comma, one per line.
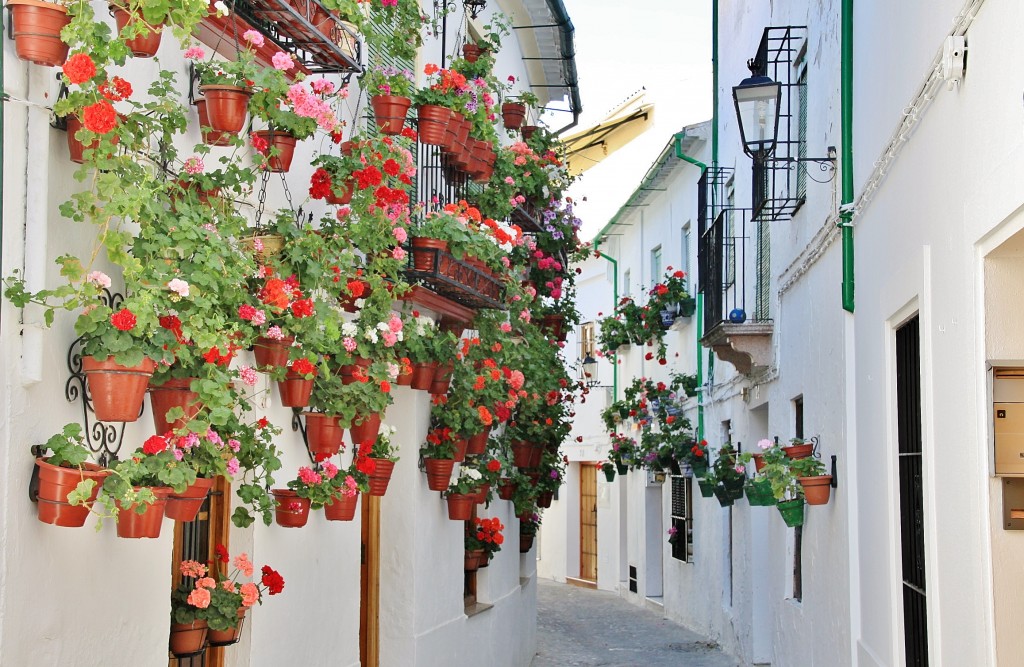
(588,147)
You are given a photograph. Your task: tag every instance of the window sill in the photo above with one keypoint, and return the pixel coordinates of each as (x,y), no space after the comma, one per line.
(476,608)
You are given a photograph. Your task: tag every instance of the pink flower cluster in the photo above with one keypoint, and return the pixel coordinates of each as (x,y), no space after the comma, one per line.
(309,476)
(307,105)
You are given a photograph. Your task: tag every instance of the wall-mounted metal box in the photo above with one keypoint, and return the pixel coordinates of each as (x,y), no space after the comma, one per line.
(1008,420)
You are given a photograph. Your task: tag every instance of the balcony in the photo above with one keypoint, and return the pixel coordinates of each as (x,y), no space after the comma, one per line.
(733,262)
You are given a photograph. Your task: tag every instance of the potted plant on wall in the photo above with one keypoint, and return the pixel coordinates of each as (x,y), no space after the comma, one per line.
(730,476)
(68,481)
(671,299)
(461,494)
(390,90)
(810,473)
(484,534)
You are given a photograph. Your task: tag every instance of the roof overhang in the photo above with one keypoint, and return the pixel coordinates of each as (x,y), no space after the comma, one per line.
(589,147)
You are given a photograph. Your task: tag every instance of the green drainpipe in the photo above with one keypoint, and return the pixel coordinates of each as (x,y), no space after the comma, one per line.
(714,82)
(846,210)
(700,297)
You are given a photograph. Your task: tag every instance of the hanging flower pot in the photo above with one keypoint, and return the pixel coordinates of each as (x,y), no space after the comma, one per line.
(621,468)
(792,512)
(513,114)
(506,489)
(285,145)
(188,638)
(528,131)
(758,461)
(525,542)
(350,373)
(295,390)
(141,46)
(526,454)
(460,506)
(707,487)
(442,378)
(56,482)
(544,499)
(229,636)
(210,137)
(36,29)
(185,506)
(347,189)
(478,442)
(341,507)
(76,149)
(817,490)
(433,121)
(801,451)
(759,492)
(439,473)
(290,511)
(609,473)
(554,326)
(226,107)
(471,52)
(404,378)
(262,246)
(461,445)
(380,476)
(389,112)
(472,559)
(428,253)
(117,391)
(131,524)
(482,491)
(423,375)
(323,433)
(175,393)
(271,353)
(365,428)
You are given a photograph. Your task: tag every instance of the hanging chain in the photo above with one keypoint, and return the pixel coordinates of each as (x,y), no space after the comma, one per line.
(287,192)
(262,198)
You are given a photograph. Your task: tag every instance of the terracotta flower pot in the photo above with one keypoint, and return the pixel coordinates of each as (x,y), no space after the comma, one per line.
(365,428)
(758,462)
(481,494)
(433,121)
(272,353)
(461,445)
(141,46)
(350,372)
(544,499)
(427,253)
(381,476)
(324,433)
(210,137)
(342,508)
(528,131)
(55,483)
(554,326)
(187,638)
(525,543)
(290,511)
(404,378)
(76,149)
(471,52)
(439,473)
(513,114)
(506,489)
(36,30)
(295,390)
(389,112)
(185,506)
(226,107)
(229,636)
(131,524)
(285,145)
(478,442)
(175,393)
(442,378)
(423,375)
(799,451)
(117,391)
(347,188)
(817,490)
(460,506)
(526,454)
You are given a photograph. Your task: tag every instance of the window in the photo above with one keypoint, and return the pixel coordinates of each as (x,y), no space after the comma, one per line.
(682,518)
(627,284)
(588,346)
(801,123)
(684,251)
(656,265)
(798,532)
(729,236)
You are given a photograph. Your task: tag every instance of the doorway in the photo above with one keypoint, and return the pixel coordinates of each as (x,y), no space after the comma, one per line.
(588,522)
(369,583)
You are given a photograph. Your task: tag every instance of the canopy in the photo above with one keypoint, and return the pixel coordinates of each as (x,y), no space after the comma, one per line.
(588,147)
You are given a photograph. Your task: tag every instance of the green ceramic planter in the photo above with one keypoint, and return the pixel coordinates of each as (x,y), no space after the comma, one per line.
(792,512)
(707,487)
(759,493)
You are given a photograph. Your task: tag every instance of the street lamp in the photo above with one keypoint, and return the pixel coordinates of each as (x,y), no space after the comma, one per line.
(590,371)
(474,7)
(757,107)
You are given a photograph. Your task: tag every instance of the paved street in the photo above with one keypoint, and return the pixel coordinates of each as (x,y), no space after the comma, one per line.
(578,627)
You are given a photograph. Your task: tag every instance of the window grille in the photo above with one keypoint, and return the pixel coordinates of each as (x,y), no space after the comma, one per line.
(682,518)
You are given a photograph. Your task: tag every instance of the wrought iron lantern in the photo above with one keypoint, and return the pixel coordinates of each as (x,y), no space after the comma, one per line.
(474,7)
(590,371)
(757,100)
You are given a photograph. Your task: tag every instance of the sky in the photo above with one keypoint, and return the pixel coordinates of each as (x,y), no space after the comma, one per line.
(663,46)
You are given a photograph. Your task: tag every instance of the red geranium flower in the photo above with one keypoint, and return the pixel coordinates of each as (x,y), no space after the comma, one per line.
(222,553)
(116,89)
(154,445)
(79,68)
(124,320)
(99,117)
(273,580)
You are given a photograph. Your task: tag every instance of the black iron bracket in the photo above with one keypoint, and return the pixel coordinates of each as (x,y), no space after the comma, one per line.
(826,165)
(103,439)
(59,122)
(299,425)
(835,475)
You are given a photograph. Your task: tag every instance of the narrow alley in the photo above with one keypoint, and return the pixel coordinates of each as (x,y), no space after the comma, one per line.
(579,627)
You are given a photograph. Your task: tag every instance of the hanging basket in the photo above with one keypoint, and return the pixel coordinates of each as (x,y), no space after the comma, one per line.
(792,512)
(324,434)
(187,639)
(131,524)
(460,506)
(290,511)
(117,391)
(229,636)
(341,507)
(285,145)
(506,489)
(226,107)
(175,393)
(513,114)
(185,506)
(211,137)
(609,474)
(55,483)
(707,487)
(759,492)
(471,52)
(439,473)
(143,46)
(295,390)
(36,30)
(380,476)
(433,123)
(389,112)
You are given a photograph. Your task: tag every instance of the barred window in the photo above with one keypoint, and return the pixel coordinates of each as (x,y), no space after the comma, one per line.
(682,518)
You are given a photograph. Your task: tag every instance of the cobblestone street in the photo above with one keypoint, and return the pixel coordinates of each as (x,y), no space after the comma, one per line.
(577,627)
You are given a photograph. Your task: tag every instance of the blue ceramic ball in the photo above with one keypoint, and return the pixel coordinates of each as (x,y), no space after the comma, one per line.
(737,316)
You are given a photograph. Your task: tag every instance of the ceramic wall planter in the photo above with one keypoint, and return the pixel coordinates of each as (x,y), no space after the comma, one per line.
(117,391)
(283,144)
(817,490)
(55,483)
(389,112)
(290,511)
(381,476)
(131,524)
(141,46)
(175,393)
(324,434)
(226,107)
(460,506)
(185,506)
(36,29)
(187,638)
(342,508)
(423,375)
(439,473)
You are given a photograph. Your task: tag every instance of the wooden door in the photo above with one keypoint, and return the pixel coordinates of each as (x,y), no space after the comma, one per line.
(588,522)
(369,583)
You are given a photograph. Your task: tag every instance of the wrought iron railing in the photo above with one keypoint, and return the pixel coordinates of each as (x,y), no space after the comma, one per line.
(727,275)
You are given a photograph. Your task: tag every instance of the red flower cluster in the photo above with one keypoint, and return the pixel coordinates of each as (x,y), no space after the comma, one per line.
(79,68)
(320,184)
(488,531)
(116,89)
(369,177)
(154,445)
(259,144)
(124,320)
(273,580)
(303,366)
(303,308)
(222,553)
(214,355)
(99,117)
(173,324)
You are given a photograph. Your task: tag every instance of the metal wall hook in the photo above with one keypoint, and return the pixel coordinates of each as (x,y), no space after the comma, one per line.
(299,425)
(835,475)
